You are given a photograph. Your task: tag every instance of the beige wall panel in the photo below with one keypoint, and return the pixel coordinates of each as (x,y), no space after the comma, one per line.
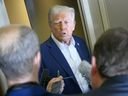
(17,12)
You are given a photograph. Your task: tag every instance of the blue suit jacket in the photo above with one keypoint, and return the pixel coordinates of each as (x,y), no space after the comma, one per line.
(115,86)
(53,60)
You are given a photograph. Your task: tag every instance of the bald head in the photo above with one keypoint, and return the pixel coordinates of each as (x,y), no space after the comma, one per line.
(9,36)
(18,47)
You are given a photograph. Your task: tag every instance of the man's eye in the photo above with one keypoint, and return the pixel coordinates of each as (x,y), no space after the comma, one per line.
(56,22)
(66,22)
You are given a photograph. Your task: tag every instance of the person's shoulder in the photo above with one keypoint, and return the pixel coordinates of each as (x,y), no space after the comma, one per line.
(91,93)
(79,40)
(50,94)
(77,37)
(48,42)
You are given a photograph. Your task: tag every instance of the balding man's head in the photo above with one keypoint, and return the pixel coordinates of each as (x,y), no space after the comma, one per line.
(18,47)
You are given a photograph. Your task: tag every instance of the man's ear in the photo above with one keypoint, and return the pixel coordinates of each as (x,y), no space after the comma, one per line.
(96,79)
(37,59)
(94,73)
(36,66)
(74,25)
(94,67)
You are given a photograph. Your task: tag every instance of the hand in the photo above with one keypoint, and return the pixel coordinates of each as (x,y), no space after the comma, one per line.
(56,85)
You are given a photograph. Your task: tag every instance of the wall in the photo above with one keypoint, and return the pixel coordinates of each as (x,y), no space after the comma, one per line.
(3,14)
(3,21)
(92,19)
(17,12)
(117,12)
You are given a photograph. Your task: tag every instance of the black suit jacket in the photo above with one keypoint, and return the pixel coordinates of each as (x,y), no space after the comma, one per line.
(115,86)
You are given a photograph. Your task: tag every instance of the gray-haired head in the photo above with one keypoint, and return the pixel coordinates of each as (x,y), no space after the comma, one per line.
(58,9)
(111,52)
(18,47)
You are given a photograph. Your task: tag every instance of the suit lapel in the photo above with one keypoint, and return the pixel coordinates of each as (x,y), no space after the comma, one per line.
(60,59)
(77,45)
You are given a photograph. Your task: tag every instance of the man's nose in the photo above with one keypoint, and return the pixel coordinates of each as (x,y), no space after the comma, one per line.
(62,26)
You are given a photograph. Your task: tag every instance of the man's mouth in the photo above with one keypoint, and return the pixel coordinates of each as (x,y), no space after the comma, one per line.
(64,33)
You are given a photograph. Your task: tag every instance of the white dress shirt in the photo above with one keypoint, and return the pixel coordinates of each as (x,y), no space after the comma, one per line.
(71,55)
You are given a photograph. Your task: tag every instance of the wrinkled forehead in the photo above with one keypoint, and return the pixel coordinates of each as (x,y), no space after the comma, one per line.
(62,15)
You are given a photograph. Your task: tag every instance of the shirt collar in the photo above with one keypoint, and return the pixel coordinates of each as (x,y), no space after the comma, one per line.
(61,44)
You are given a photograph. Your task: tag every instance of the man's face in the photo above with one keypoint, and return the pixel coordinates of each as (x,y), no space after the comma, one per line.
(62,26)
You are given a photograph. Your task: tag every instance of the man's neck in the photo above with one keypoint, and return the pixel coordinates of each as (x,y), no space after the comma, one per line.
(67,42)
(21,81)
